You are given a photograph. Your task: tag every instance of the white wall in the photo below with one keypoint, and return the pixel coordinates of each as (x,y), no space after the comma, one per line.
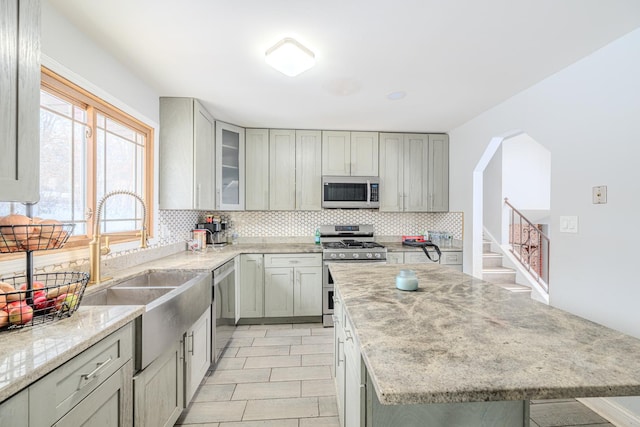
(526,172)
(588,117)
(492,195)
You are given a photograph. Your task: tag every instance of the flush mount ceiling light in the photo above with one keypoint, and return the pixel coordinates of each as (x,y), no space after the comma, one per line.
(290,57)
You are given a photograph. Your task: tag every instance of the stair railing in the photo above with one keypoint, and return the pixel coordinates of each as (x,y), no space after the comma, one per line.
(529,245)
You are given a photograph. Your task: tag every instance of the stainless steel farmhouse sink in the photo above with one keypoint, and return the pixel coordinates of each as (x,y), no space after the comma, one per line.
(173,301)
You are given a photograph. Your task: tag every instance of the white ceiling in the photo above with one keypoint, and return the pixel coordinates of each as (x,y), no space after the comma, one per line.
(453,58)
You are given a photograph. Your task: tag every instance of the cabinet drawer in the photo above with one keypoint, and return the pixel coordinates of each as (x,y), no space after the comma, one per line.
(58,392)
(292,260)
(451,258)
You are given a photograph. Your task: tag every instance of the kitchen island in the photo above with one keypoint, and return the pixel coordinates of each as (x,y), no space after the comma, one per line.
(461,351)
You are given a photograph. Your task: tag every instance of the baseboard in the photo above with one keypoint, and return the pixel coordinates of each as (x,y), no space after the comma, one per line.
(616,414)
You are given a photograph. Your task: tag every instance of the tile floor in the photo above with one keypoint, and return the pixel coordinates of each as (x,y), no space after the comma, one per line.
(281,376)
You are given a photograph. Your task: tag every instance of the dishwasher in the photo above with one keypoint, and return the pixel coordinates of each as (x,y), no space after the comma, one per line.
(223,323)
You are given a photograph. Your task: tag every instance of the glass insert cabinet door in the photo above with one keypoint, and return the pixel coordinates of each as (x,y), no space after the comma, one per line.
(229,167)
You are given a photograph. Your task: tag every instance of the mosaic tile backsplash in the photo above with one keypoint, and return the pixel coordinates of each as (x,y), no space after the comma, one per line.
(276,224)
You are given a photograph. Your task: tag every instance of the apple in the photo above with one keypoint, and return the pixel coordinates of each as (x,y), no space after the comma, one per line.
(4,318)
(15,304)
(20,315)
(66,302)
(36,293)
(42,303)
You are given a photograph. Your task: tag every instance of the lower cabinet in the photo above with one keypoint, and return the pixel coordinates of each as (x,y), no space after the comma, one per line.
(159,389)
(197,354)
(15,410)
(98,379)
(395,257)
(292,285)
(251,285)
(452,259)
(165,387)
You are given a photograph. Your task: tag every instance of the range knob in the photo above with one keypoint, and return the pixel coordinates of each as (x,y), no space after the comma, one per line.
(378,255)
(356,255)
(341,255)
(333,256)
(369,255)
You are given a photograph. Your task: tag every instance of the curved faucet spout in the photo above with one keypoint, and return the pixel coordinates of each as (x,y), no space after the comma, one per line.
(94,245)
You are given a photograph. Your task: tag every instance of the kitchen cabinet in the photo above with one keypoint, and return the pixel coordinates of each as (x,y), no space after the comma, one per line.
(159,389)
(251,285)
(395,257)
(15,410)
(339,366)
(257,169)
(98,378)
(230,162)
(282,169)
(451,259)
(349,153)
(187,155)
(20,107)
(197,354)
(308,170)
(414,172)
(292,285)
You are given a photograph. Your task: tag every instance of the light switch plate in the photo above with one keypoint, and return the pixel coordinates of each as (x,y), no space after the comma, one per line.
(568,224)
(600,195)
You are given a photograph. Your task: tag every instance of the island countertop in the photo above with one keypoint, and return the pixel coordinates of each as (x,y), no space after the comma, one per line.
(460,339)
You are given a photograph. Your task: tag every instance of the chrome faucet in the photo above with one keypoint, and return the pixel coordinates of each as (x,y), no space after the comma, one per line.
(94,246)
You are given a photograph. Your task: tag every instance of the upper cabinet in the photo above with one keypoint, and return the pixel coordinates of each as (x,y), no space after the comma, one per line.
(308,170)
(186,155)
(414,172)
(257,169)
(20,106)
(349,153)
(282,170)
(229,167)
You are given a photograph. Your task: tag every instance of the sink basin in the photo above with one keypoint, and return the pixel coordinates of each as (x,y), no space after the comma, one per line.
(158,278)
(173,301)
(126,296)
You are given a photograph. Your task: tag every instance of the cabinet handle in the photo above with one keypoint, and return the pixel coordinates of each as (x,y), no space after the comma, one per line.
(95,372)
(198,194)
(349,337)
(191,339)
(218,198)
(298,274)
(338,350)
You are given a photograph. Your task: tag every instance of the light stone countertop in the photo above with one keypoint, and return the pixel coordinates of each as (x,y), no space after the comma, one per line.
(29,353)
(399,247)
(459,339)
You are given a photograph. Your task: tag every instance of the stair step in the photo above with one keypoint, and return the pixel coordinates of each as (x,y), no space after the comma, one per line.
(491,259)
(499,275)
(515,287)
(486,246)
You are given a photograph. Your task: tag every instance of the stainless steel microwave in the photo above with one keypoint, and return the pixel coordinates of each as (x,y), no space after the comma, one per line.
(351,192)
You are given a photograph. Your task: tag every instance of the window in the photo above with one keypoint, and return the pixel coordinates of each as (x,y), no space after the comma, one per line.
(89,148)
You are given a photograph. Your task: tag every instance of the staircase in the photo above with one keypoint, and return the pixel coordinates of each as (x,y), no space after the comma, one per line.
(494,272)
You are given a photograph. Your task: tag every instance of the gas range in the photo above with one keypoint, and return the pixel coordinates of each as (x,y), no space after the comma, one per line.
(352,243)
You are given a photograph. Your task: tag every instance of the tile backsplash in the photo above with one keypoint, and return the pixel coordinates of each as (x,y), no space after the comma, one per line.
(174,227)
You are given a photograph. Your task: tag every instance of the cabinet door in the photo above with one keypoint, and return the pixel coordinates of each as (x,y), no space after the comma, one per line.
(439,173)
(364,153)
(307,291)
(107,406)
(198,354)
(308,170)
(204,158)
(416,164)
(15,410)
(282,173)
(391,172)
(257,167)
(229,167)
(278,292)
(251,286)
(339,359)
(336,153)
(176,172)
(159,390)
(20,106)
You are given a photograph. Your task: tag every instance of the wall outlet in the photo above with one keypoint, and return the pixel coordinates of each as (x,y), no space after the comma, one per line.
(568,224)
(600,195)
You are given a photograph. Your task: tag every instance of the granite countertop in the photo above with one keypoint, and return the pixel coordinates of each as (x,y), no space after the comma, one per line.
(460,339)
(399,247)
(29,353)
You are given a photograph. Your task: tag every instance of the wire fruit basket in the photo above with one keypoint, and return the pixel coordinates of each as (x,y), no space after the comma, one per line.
(34,237)
(52,296)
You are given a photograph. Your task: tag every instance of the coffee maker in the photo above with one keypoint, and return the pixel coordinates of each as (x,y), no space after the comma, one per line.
(216,235)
